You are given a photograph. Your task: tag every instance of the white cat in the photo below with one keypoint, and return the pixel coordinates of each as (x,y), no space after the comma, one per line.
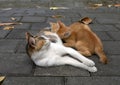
(47,50)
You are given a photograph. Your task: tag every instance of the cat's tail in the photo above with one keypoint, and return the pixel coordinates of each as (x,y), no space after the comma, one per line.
(101,54)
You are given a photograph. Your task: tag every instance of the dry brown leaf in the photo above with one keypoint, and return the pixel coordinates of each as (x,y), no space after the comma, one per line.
(57,16)
(117,5)
(7,24)
(2,78)
(8,27)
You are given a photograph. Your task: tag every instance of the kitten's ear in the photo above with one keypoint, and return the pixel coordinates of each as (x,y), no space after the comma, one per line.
(86,20)
(30,39)
(61,24)
(54,27)
(67,34)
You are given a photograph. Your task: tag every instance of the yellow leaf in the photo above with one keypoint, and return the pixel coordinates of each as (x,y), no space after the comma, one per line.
(8,27)
(2,78)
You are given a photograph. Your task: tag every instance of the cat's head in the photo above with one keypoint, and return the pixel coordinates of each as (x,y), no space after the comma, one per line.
(35,43)
(61,29)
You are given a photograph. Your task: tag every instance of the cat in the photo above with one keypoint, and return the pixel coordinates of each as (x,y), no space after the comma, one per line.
(47,49)
(80,37)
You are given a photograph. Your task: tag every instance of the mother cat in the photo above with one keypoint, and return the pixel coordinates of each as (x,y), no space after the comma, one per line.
(80,37)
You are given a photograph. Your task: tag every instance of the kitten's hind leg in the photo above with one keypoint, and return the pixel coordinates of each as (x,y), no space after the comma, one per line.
(70,61)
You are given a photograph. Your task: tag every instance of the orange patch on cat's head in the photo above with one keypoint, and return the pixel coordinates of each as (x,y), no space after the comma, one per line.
(34,43)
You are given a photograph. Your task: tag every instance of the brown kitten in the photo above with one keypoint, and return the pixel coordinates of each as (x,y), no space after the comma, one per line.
(79,36)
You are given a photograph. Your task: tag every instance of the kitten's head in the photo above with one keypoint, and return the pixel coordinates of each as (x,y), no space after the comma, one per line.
(61,29)
(35,43)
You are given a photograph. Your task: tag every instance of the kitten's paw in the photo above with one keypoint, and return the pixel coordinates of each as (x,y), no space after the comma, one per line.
(89,63)
(92,69)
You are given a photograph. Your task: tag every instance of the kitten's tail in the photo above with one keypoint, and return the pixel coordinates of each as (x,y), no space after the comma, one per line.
(101,54)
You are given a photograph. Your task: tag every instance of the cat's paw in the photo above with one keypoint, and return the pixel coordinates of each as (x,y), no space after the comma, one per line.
(89,63)
(92,69)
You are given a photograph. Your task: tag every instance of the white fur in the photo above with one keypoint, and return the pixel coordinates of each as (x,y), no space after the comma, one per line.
(51,54)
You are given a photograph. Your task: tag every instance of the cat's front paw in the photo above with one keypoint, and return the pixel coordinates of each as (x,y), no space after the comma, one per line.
(92,69)
(89,63)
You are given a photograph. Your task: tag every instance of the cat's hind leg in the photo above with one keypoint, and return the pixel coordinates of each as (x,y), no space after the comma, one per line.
(66,60)
(80,57)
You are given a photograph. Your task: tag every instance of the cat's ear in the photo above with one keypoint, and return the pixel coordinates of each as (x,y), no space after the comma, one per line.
(54,27)
(30,39)
(61,24)
(27,35)
(86,20)
(67,34)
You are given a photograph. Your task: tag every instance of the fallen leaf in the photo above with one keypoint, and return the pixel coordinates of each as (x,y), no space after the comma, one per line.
(55,8)
(7,9)
(117,5)
(12,18)
(8,27)
(98,5)
(6,24)
(109,5)
(57,16)
(2,78)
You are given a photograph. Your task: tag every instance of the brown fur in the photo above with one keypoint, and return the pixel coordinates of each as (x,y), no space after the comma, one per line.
(79,36)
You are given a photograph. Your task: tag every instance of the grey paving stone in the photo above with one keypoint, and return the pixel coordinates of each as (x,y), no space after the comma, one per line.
(33,81)
(62,3)
(112,47)
(15,64)
(17,34)
(20,34)
(118,26)
(108,21)
(103,35)
(98,27)
(110,69)
(8,19)
(3,33)
(8,45)
(39,26)
(115,35)
(21,47)
(67,14)
(101,16)
(23,26)
(33,19)
(60,71)
(93,81)
(65,20)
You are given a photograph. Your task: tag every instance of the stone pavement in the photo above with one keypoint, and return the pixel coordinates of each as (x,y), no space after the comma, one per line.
(20,70)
